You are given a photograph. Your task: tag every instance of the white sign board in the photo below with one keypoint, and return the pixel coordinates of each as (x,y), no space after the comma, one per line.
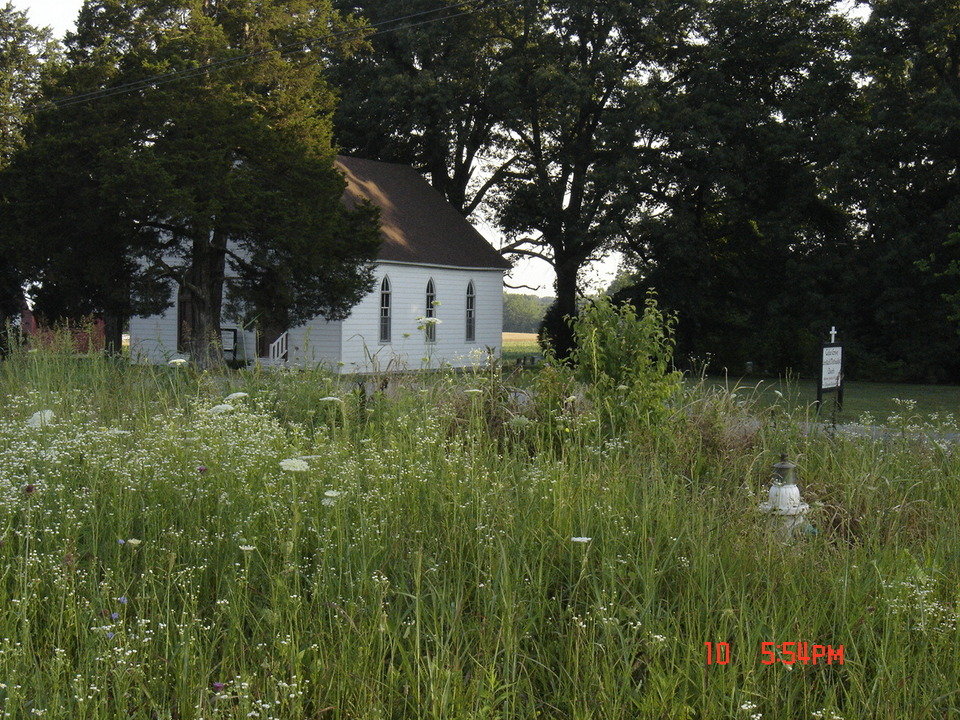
(832,367)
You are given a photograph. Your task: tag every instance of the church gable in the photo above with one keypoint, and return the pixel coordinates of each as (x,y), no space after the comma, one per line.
(417,224)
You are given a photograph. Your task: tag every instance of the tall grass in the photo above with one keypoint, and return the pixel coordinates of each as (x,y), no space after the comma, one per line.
(158,562)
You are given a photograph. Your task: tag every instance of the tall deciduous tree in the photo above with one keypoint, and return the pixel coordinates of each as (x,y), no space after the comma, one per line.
(742,231)
(903,174)
(579,106)
(226,164)
(430,93)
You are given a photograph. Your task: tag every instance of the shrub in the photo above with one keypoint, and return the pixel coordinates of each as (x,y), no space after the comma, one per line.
(626,358)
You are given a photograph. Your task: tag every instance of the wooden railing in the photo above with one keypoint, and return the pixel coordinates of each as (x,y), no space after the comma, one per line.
(278,349)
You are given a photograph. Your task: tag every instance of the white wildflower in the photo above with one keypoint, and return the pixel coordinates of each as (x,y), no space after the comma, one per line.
(177,362)
(294,465)
(333,493)
(581,539)
(236,396)
(39,419)
(220,409)
(248,548)
(133,542)
(330,398)
(473,391)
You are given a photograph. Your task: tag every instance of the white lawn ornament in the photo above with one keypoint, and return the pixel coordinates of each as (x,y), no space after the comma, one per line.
(784,506)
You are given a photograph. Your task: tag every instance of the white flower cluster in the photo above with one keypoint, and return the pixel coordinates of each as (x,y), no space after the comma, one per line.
(914,598)
(826,714)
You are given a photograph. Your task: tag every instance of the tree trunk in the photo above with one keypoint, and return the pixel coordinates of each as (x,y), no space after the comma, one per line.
(205,279)
(555,323)
(112,334)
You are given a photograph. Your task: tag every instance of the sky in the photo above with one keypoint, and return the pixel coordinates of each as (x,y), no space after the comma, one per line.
(60,15)
(56,14)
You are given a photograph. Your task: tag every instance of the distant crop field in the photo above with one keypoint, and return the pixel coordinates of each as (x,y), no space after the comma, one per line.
(519,338)
(517,345)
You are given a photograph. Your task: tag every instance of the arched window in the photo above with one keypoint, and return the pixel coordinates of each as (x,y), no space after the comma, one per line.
(431,312)
(385,310)
(471,313)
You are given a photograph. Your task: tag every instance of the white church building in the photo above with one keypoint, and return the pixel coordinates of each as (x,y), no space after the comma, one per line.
(437,300)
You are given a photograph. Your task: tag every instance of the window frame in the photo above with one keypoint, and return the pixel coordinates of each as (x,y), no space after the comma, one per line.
(470,333)
(386,311)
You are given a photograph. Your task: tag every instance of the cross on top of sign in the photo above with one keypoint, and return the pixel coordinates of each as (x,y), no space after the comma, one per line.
(833,334)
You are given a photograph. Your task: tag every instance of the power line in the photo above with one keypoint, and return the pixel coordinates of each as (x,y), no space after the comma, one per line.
(290,48)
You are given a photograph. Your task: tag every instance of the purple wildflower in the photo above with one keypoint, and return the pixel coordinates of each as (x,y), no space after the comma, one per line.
(114,615)
(109,636)
(122,599)
(202,469)
(219,686)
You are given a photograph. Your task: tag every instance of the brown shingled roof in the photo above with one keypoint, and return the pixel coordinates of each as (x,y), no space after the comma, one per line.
(418,225)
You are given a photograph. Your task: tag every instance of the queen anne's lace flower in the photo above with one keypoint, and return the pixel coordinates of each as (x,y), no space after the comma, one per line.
(294,465)
(39,419)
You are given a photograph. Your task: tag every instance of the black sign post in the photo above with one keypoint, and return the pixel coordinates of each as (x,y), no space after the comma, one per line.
(831,371)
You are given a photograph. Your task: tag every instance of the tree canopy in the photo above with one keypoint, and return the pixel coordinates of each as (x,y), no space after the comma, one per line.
(741,226)
(24,49)
(225,170)
(431,95)
(524,313)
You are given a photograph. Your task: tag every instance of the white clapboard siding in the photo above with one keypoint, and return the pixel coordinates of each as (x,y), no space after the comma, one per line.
(408,349)
(316,343)
(353,345)
(153,339)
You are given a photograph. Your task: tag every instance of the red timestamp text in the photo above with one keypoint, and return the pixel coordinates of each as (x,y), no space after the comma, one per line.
(787,653)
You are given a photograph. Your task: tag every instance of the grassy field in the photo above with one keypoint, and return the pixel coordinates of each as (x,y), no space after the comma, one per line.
(184,546)
(874,402)
(878,400)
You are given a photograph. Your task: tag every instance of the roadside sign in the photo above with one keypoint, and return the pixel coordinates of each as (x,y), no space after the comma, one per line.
(831,370)
(831,374)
